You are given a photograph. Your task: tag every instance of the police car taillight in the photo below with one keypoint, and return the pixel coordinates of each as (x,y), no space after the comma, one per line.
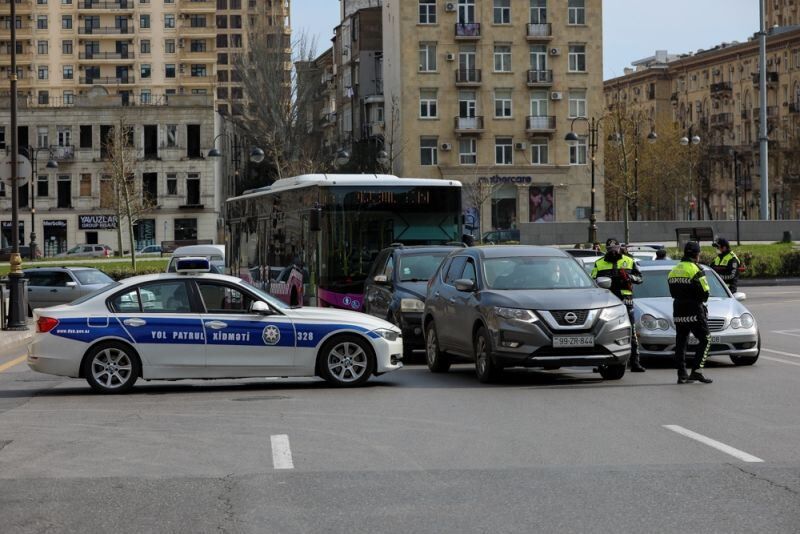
(192,265)
(45,324)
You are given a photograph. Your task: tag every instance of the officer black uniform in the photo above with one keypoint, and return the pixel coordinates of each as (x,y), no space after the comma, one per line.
(726,264)
(689,289)
(623,272)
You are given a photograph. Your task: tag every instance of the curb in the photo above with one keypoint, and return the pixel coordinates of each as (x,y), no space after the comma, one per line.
(767,282)
(10,338)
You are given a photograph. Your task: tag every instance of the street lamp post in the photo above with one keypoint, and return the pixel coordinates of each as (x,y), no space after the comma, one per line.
(51,164)
(736,174)
(686,141)
(572,138)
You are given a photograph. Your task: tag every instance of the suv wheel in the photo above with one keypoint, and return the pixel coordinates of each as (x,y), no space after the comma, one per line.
(438,361)
(485,367)
(612,372)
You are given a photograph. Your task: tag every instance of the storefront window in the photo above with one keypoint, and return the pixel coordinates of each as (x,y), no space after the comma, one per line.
(55,237)
(504,207)
(185,229)
(144,232)
(541,200)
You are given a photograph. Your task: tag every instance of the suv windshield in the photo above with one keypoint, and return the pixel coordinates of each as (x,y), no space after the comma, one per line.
(655,285)
(535,273)
(419,267)
(92,277)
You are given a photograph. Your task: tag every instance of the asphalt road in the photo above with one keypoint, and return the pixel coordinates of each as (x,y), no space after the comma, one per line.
(414,452)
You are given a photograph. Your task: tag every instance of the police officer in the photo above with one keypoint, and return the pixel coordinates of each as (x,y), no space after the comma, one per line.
(661,254)
(623,272)
(726,264)
(689,289)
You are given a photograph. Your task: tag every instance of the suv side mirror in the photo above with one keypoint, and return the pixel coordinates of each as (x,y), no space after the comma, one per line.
(72,284)
(381,280)
(261,308)
(604,282)
(464,284)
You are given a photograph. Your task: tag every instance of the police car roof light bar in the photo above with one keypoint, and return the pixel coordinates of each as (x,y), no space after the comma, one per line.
(192,265)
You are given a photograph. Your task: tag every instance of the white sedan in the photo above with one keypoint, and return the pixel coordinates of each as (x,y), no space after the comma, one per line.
(196,325)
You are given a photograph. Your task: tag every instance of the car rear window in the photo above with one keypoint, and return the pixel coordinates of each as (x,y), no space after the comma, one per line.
(92,277)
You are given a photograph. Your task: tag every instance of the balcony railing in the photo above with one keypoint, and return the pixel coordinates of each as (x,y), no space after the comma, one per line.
(468,76)
(5,26)
(106,80)
(721,89)
(105,55)
(540,77)
(772,77)
(772,113)
(543,123)
(469,124)
(106,30)
(62,153)
(540,31)
(468,30)
(722,120)
(106,4)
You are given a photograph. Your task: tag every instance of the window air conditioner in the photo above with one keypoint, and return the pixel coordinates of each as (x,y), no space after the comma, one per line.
(555,51)
(451,56)
(556,95)
(520,146)
(450,7)
(447,147)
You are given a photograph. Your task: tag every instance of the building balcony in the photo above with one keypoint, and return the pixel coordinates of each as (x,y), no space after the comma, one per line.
(540,124)
(772,113)
(210,32)
(23,27)
(23,6)
(23,58)
(469,125)
(540,78)
(62,153)
(188,79)
(772,78)
(468,31)
(107,80)
(722,90)
(468,77)
(107,5)
(540,32)
(722,120)
(199,56)
(107,31)
(198,6)
(105,56)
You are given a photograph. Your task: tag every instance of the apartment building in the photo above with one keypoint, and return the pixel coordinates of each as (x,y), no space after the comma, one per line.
(715,94)
(782,12)
(484,91)
(317,91)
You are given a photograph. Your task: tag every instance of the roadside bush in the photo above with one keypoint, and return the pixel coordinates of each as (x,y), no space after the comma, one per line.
(790,264)
(759,261)
(119,273)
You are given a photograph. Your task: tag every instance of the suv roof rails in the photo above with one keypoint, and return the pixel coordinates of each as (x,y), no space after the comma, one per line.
(456,244)
(397,245)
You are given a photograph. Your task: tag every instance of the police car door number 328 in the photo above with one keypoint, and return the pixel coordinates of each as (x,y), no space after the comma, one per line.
(305,336)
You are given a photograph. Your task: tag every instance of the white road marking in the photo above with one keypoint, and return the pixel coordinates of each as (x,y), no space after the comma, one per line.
(281,452)
(792,355)
(793,333)
(727,449)
(779,360)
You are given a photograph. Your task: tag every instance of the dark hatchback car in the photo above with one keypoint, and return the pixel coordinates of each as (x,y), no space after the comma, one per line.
(396,286)
(523,306)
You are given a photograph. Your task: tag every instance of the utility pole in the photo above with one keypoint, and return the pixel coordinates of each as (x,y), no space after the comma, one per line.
(763,140)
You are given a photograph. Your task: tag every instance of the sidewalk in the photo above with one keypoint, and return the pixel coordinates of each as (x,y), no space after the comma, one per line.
(764,282)
(9,338)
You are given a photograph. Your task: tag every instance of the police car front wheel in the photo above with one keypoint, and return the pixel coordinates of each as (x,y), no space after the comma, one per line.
(111,368)
(346,361)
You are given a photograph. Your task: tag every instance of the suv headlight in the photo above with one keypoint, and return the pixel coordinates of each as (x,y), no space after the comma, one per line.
(516,313)
(412,306)
(614,312)
(389,335)
(651,322)
(743,321)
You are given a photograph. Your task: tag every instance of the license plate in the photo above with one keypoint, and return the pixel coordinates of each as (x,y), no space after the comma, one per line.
(573,341)
(694,341)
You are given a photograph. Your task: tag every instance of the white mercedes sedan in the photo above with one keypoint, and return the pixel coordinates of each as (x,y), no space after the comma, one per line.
(195,325)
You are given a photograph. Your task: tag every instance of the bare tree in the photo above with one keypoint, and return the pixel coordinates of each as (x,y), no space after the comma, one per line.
(273,116)
(125,196)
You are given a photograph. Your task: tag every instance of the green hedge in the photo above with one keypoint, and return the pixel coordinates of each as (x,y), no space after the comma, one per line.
(118,273)
(760,261)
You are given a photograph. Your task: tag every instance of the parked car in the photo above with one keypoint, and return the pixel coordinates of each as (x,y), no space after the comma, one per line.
(51,286)
(149,249)
(24,251)
(523,306)
(396,286)
(734,331)
(582,252)
(498,237)
(87,251)
(215,253)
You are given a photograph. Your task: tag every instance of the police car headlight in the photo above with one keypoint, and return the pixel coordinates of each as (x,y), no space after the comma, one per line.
(613,313)
(388,335)
(743,321)
(516,313)
(412,306)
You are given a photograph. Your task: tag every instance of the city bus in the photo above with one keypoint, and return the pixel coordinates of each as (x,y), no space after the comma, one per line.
(311,239)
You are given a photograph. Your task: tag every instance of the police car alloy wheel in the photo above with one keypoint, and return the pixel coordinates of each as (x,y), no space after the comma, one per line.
(485,367)
(346,361)
(438,362)
(111,368)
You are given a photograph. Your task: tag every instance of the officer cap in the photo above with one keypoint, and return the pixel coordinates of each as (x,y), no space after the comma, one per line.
(721,242)
(611,242)
(692,248)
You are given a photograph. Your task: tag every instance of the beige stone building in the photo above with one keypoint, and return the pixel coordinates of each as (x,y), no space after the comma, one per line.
(484,91)
(715,94)
(782,13)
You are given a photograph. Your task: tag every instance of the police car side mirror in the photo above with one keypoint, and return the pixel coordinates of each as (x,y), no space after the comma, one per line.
(740,296)
(604,282)
(260,307)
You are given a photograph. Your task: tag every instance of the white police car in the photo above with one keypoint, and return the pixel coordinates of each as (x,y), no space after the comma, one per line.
(193,324)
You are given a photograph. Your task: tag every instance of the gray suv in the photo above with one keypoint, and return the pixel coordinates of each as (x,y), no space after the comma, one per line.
(522,306)
(51,286)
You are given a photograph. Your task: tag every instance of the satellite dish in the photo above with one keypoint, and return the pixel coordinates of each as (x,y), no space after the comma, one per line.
(24,170)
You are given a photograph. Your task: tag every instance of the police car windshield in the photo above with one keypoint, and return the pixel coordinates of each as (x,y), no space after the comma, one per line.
(535,273)
(655,285)
(272,301)
(95,293)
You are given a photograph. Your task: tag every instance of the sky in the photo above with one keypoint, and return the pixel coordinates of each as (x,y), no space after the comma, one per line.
(632,29)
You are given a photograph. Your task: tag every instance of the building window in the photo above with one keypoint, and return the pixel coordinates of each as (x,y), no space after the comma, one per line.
(172,184)
(86,136)
(539,152)
(468,151)
(169,70)
(198,70)
(577,103)
(144,22)
(185,229)
(67,72)
(66,47)
(502,103)
(577,58)
(169,20)
(427,11)
(42,137)
(538,55)
(503,151)
(145,97)
(69,97)
(578,152)
(169,46)
(42,186)
(85,185)
(2,136)
(502,58)
(41,22)
(144,46)
(145,70)
(193,189)
(172,135)
(538,12)
(502,11)
(42,47)
(576,12)
(197,45)
(428,103)
(427,57)
(428,151)
(66,22)
(43,72)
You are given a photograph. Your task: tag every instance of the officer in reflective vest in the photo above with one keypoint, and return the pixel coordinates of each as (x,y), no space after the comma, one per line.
(689,289)
(623,272)
(726,264)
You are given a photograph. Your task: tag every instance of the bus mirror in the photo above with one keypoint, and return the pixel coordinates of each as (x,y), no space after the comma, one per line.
(314,220)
